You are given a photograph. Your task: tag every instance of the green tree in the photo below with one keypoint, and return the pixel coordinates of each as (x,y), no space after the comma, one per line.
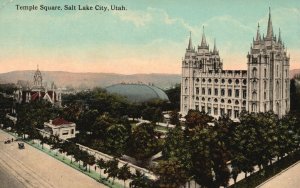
(195,118)
(124,173)
(101,165)
(139,180)
(171,173)
(143,143)
(116,139)
(112,169)
(174,118)
(174,97)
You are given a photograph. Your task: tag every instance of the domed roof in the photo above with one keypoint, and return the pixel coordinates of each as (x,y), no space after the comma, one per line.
(138,92)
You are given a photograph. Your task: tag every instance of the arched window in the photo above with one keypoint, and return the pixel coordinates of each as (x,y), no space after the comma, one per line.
(222,101)
(265,84)
(265,72)
(229,101)
(254,72)
(222,92)
(277,108)
(254,96)
(277,90)
(215,100)
(186,81)
(237,102)
(265,107)
(254,84)
(265,95)
(253,107)
(244,103)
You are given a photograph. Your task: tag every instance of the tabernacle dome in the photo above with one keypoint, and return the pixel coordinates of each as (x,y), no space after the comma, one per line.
(138,92)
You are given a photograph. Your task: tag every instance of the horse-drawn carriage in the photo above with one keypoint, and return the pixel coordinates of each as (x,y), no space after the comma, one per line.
(21,145)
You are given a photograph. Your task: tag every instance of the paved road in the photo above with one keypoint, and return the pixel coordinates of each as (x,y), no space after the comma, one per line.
(287,179)
(33,168)
(8,180)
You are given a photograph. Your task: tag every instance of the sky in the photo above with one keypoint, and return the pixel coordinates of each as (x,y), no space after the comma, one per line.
(147,37)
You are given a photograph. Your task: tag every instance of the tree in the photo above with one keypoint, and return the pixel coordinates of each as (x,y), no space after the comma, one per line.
(86,120)
(54,142)
(139,180)
(172,173)
(116,139)
(101,165)
(134,111)
(124,173)
(112,169)
(143,143)
(72,150)
(202,164)
(43,140)
(174,118)
(195,118)
(174,97)
(90,160)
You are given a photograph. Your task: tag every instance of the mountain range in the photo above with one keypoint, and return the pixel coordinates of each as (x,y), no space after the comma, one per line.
(90,80)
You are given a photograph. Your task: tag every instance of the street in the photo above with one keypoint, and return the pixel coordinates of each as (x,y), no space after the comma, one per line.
(30,167)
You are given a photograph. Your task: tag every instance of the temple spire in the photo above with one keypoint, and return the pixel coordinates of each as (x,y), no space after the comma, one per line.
(270,27)
(258,38)
(215,46)
(203,41)
(190,46)
(279,37)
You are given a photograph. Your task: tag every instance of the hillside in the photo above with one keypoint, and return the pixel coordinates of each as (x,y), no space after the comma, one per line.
(90,80)
(294,72)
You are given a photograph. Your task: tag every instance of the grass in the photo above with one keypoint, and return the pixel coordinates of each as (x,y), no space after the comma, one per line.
(67,161)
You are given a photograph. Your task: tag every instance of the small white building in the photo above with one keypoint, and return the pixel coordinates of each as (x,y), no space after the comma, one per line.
(61,127)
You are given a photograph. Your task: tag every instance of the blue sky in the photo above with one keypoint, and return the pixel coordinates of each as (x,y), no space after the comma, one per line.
(149,37)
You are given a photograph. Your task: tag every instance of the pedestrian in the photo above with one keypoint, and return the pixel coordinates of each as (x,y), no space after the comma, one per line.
(12,139)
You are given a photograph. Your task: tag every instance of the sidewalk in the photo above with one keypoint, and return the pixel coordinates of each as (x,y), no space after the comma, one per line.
(288,178)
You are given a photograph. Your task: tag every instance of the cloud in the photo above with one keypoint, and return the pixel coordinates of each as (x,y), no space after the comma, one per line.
(138,18)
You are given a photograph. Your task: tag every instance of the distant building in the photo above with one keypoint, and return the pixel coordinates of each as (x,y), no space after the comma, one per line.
(264,86)
(138,93)
(25,94)
(61,128)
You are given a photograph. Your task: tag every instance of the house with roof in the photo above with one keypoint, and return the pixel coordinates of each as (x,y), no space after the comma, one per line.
(61,127)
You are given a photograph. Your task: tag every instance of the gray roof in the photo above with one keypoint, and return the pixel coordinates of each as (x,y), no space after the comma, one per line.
(138,92)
